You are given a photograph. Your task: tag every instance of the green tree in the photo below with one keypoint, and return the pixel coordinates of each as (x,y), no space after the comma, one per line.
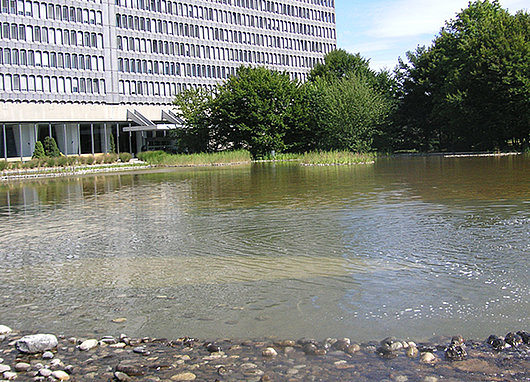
(471,88)
(112,144)
(254,110)
(50,147)
(38,152)
(194,107)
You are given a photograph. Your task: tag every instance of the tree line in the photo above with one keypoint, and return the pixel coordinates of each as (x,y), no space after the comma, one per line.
(469,90)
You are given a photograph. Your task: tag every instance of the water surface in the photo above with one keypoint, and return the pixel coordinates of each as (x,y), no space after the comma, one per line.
(411,247)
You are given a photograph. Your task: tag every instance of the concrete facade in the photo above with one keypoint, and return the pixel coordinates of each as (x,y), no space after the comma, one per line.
(89,61)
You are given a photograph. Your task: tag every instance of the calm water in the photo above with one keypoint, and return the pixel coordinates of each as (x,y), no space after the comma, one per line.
(412,247)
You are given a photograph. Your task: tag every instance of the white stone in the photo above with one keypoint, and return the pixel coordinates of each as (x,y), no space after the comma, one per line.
(61,375)
(5,329)
(4,368)
(36,343)
(427,357)
(45,372)
(269,352)
(9,375)
(88,344)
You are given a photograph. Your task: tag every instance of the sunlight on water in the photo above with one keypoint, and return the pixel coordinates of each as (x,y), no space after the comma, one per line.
(406,247)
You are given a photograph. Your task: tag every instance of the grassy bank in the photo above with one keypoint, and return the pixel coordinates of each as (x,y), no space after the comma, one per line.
(161,158)
(65,161)
(316,158)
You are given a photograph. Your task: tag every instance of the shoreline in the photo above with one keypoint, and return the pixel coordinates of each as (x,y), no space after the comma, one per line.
(108,358)
(56,172)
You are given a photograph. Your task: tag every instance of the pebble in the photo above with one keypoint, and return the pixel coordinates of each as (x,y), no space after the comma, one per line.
(9,375)
(88,344)
(427,357)
(412,352)
(130,368)
(47,355)
(352,349)
(121,376)
(60,375)
(269,352)
(5,329)
(184,377)
(45,372)
(22,366)
(4,368)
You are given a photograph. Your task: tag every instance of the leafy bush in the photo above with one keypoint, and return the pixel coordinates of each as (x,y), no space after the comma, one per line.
(112,144)
(90,160)
(31,164)
(50,147)
(125,157)
(99,159)
(62,161)
(51,162)
(110,158)
(3,165)
(39,150)
(71,160)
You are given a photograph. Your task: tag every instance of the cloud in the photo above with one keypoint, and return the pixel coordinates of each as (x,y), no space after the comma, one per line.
(408,18)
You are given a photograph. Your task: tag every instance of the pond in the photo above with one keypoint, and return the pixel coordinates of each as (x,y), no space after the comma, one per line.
(411,247)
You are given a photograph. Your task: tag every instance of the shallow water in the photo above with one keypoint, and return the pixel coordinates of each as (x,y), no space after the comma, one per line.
(411,247)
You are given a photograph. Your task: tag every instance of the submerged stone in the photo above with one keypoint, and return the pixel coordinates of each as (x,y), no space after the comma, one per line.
(36,343)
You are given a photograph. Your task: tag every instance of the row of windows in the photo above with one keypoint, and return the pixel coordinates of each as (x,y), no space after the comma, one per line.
(179,29)
(22,57)
(180,9)
(126,65)
(46,35)
(46,84)
(131,44)
(52,12)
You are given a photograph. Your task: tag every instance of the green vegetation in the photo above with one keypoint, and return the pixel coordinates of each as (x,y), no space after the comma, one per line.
(470,90)
(50,148)
(162,158)
(125,157)
(39,150)
(336,158)
(112,144)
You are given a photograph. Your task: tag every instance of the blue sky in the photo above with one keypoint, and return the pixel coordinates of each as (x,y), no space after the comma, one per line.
(383,30)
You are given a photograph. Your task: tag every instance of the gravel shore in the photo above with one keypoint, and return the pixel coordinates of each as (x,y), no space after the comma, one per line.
(46,357)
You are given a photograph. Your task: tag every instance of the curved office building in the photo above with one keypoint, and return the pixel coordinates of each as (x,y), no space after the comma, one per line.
(81,70)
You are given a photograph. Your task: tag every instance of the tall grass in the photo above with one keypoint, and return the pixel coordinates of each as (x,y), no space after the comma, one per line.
(336,158)
(162,158)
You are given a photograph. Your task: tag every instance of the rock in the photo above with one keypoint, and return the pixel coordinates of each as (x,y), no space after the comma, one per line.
(119,320)
(4,368)
(412,351)
(45,372)
(457,340)
(120,376)
(60,375)
(56,363)
(430,378)
(22,366)
(513,339)
(5,329)
(119,345)
(341,344)
(130,368)
(455,352)
(310,349)
(269,352)
(184,377)
(213,348)
(36,343)
(47,355)
(141,350)
(401,378)
(524,336)
(352,349)
(427,357)
(391,344)
(287,343)
(9,375)
(88,344)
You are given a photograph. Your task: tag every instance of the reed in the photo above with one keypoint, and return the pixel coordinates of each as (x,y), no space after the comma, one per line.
(161,158)
(336,158)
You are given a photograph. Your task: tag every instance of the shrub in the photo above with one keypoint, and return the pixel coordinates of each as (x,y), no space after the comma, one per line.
(71,160)
(125,157)
(15,165)
(110,158)
(99,159)
(51,161)
(112,144)
(90,160)
(50,147)
(62,161)
(3,165)
(31,164)
(39,150)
